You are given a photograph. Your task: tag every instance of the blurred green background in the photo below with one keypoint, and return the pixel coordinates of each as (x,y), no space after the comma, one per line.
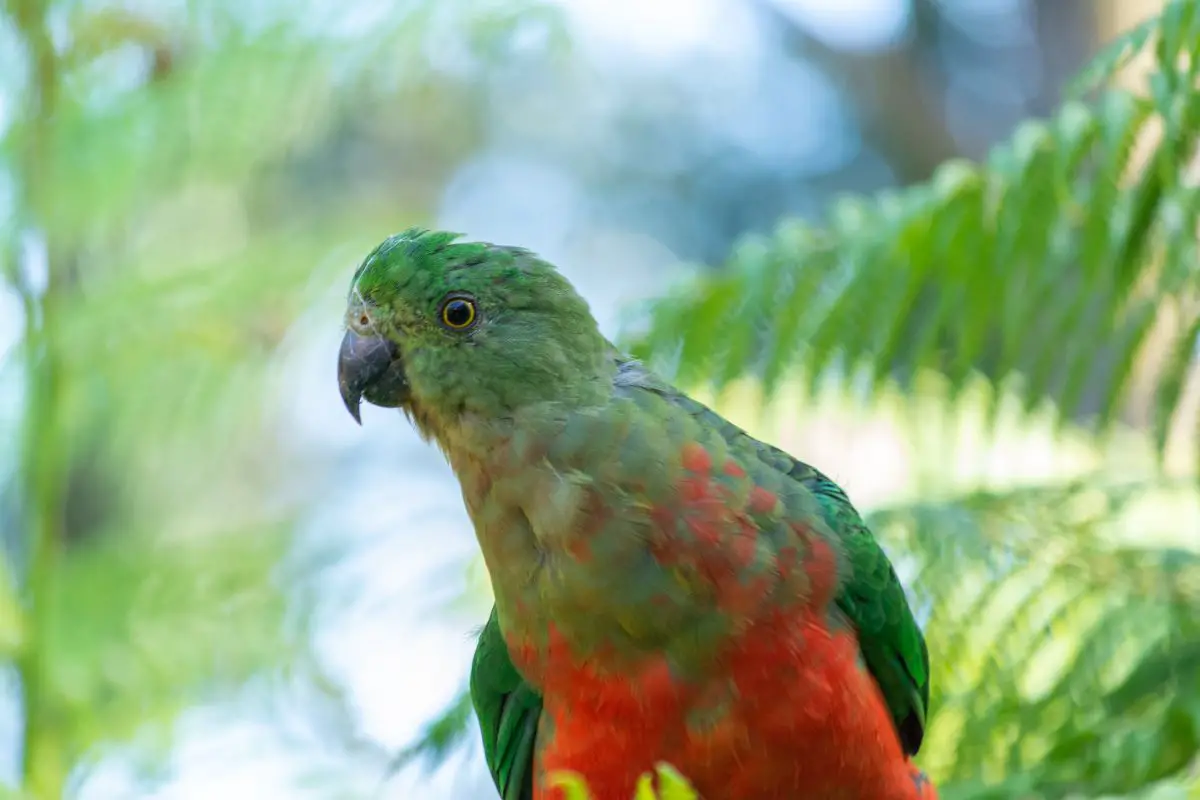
(214,583)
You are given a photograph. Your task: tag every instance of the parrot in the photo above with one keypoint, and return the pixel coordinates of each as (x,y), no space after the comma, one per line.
(667,589)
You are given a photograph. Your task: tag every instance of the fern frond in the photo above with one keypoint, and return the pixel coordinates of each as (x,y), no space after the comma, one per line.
(1048,265)
(1067,657)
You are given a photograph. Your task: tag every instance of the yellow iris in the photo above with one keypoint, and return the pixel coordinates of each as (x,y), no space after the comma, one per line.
(458,313)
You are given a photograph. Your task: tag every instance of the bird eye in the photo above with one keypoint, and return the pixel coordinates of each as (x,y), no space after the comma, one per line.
(458,313)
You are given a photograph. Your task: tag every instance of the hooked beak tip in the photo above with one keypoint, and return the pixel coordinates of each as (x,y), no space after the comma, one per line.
(354,407)
(370,366)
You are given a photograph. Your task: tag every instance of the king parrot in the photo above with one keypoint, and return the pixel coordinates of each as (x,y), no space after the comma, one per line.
(667,588)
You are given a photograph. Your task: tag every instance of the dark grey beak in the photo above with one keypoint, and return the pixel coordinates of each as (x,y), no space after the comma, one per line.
(370,367)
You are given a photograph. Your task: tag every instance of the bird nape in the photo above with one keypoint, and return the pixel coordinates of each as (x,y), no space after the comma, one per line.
(667,588)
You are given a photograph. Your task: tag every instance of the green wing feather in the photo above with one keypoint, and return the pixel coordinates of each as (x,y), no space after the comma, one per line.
(874,600)
(508,709)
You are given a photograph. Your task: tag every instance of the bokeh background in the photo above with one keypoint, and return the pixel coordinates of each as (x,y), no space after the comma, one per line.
(214,584)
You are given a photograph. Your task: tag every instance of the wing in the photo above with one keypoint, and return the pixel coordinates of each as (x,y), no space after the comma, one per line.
(508,710)
(873,598)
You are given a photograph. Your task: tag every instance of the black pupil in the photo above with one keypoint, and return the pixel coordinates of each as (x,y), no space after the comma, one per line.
(458,313)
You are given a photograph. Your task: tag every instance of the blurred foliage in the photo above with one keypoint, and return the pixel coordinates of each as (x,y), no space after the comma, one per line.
(1080,231)
(159,250)
(1068,658)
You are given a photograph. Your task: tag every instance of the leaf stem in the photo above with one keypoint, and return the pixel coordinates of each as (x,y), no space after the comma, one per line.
(43,770)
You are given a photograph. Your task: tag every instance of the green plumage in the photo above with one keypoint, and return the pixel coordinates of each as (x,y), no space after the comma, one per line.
(508,709)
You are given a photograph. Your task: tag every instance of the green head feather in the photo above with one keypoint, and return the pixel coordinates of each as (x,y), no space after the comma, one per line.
(477,328)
